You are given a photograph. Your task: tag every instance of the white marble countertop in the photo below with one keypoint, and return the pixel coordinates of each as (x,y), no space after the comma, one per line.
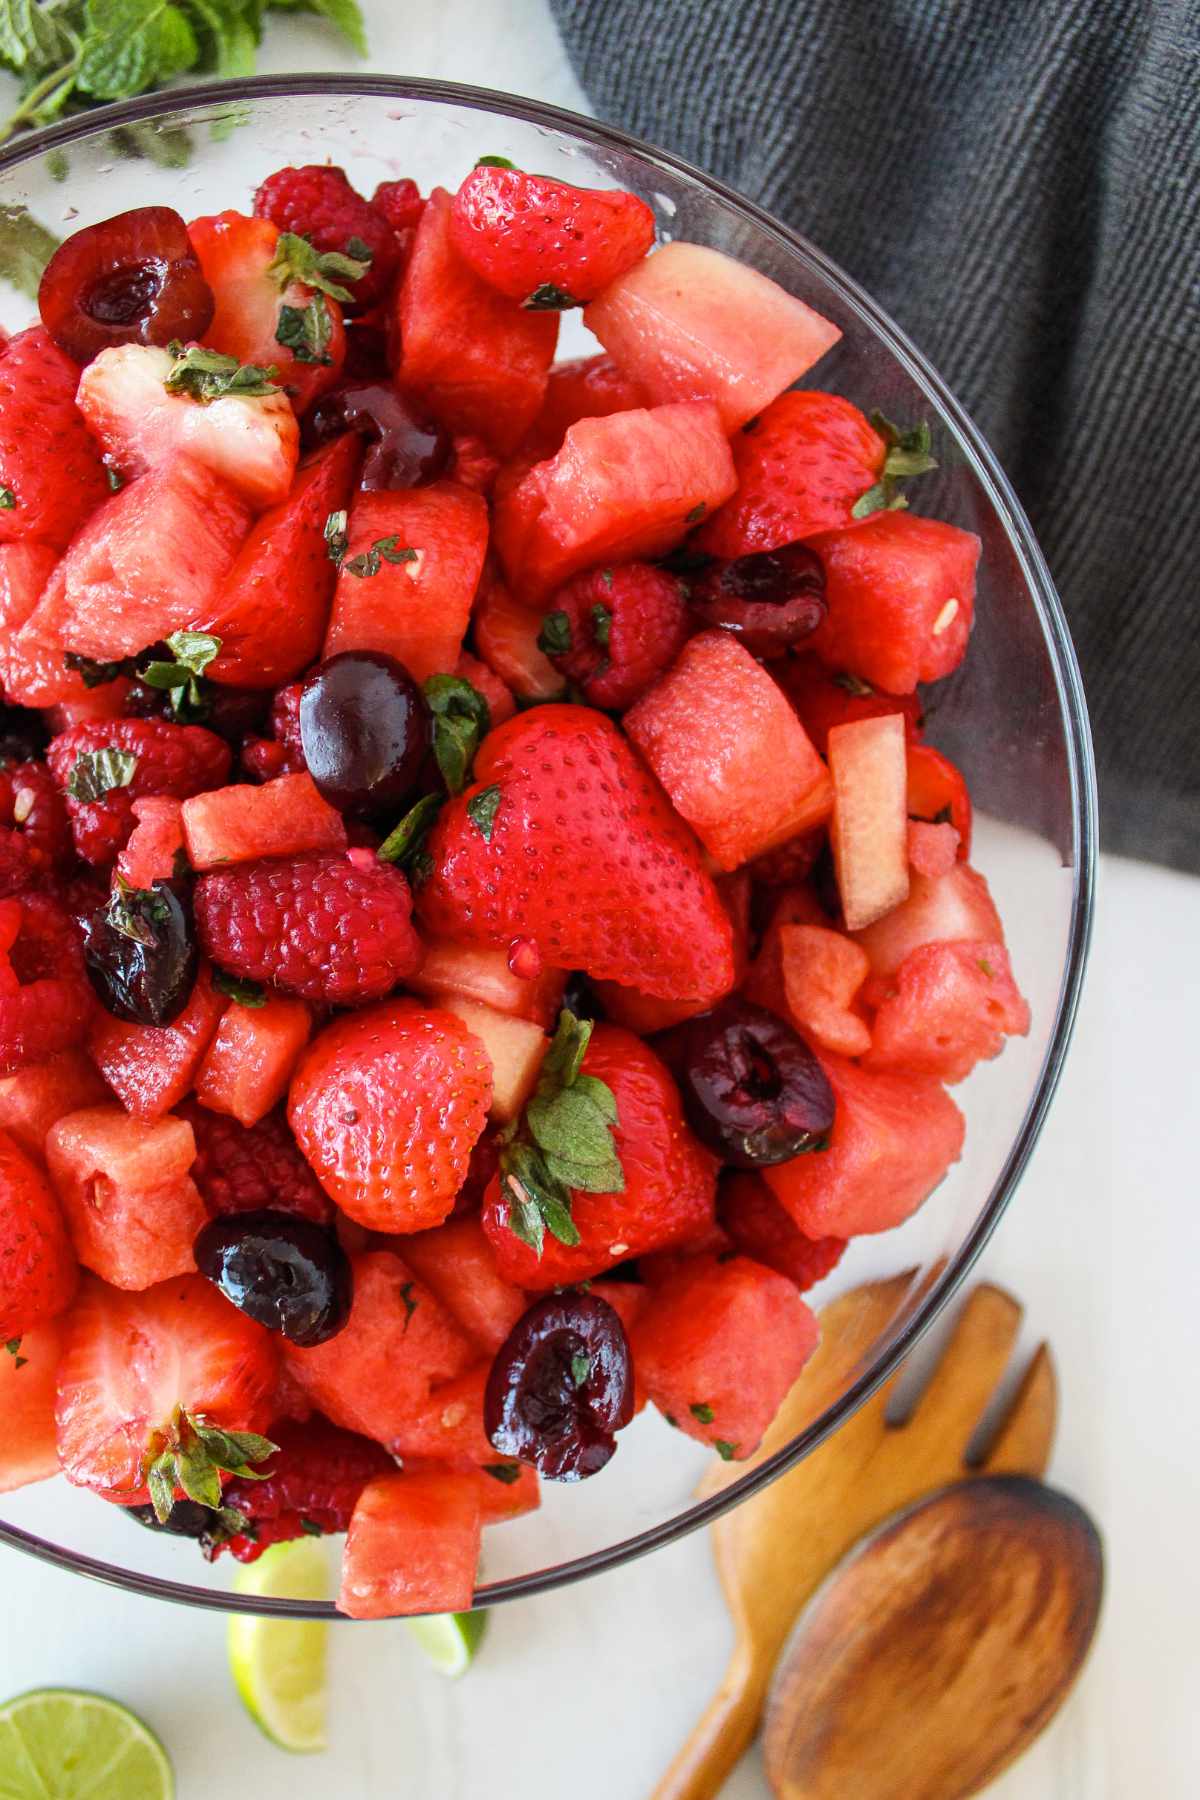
(587,1692)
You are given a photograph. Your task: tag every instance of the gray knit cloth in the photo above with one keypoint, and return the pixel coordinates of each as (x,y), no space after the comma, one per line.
(1018,183)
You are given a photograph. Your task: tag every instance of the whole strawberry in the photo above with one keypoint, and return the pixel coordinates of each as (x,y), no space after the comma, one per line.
(51,476)
(38,1270)
(318,203)
(545,242)
(240,1168)
(318,926)
(387,1106)
(613,631)
(566,838)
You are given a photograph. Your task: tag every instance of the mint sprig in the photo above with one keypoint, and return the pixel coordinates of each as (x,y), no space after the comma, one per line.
(191,653)
(191,1453)
(296,259)
(908,454)
(461,719)
(564,1141)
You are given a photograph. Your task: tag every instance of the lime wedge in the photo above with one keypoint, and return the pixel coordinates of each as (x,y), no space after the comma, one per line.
(63,1742)
(450,1640)
(278,1665)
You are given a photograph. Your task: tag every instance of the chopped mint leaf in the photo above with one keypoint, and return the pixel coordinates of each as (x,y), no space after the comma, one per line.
(725,1451)
(137,913)
(192,652)
(296,259)
(7,499)
(461,719)
(507,1473)
(481,810)
(410,1305)
(554,639)
(601,625)
(701,1410)
(853,684)
(246,993)
(208,375)
(606,576)
(336,541)
(306,331)
(13,1346)
(548,298)
(310,1529)
(581,1368)
(115,481)
(94,674)
(404,843)
(987,968)
(384,549)
(98,772)
(697,513)
(494,162)
(359,251)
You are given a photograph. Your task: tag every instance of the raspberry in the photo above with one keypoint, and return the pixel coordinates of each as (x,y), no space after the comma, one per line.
(282,753)
(45,996)
(317,202)
(314,1482)
(614,631)
(173,760)
(316,925)
(240,1168)
(400,203)
(35,834)
(760,1228)
(474,465)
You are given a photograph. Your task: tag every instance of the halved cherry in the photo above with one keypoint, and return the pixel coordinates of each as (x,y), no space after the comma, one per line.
(132,279)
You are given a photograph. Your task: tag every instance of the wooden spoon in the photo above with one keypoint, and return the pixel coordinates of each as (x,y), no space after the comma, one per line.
(774,1550)
(939,1649)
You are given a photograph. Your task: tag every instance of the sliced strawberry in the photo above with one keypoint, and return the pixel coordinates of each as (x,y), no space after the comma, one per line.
(38,1271)
(49,465)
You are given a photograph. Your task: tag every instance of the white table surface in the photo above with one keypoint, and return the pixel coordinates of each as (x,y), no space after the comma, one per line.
(587,1692)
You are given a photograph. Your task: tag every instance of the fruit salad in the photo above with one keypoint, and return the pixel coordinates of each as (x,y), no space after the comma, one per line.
(482,923)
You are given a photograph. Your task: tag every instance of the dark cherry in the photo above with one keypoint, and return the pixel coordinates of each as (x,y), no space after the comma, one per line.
(132,279)
(364,728)
(23,734)
(140,951)
(187,1518)
(560,1386)
(287,1273)
(404,450)
(769,601)
(752,1089)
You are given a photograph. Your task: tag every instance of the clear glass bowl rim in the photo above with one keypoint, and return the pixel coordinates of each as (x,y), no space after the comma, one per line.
(1081,772)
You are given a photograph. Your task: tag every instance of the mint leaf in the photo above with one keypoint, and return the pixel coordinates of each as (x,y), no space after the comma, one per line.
(207,375)
(245,993)
(129,45)
(13,1346)
(369,562)
(95,674)
(25,247)
(554,639)
(601,624)
(136,913)
(410,1305)
(98,772)
(481,810)
(405,842)
(701,1410)
(697,513)
(548,298)
(581,1369)
(854,684)
(507,1473)
(7,499)
(296,259)
(461,717)
(336,541)
(345,15)
(192,652)
(306,331)
(724,1450)
(494,162)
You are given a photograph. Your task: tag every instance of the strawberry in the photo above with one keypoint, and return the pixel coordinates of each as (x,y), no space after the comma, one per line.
(656,1191)
(147,1378)
(38,1271)
(386,1105)
(937,792)
(803,465)
(760,1228)
(311,1485)
(149,407)
(614,631)
(506,637)
(49,465)
(564,838)
(266,312)
(544,242)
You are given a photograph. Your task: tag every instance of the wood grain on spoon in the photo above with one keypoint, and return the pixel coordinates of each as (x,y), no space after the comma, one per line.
(939,1649)
(773,1551)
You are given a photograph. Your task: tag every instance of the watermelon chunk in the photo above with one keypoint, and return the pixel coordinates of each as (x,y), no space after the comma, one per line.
(515,1048)
(587,387)
(148,562)
(131,1207)
(690,323)
(239,824)
(719,1346)
(28,1439)
(952,908)
(506,637)
(481,972)
(151,1067)
(893,1139)
(479,361)
(35,1099)
(627,486)
(457,1264)
(283,571)
(397,1345)
(448,1426)
(869,830)
(823,971)
(733,757)
(418,609)
(947,1007)
(413,1546)
(31,673)
(900,593)
(248,1065)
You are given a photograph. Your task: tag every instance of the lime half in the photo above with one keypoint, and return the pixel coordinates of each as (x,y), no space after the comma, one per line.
(450,1640)
(278,1665)
(63,1742)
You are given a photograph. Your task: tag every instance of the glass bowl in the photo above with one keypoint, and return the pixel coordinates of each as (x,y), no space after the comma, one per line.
(1013,717)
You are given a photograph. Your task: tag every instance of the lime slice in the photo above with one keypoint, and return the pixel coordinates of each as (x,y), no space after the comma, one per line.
(278,1665)
(63,1742)
(450,1640)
